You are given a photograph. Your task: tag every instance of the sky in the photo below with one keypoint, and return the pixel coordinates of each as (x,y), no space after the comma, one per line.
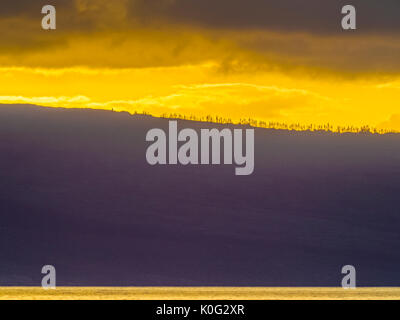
(286,61)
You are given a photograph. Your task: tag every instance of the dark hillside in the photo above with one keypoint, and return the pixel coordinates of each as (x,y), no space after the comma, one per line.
(76,192)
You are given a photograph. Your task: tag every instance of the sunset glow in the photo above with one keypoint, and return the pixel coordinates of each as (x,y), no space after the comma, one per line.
(165,67)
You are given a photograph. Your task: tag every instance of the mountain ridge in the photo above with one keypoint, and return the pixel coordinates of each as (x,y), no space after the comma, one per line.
(77,193)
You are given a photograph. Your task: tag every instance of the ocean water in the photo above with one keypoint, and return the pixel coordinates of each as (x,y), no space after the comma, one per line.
(197,293)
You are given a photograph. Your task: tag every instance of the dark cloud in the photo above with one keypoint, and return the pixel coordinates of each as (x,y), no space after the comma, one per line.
(12,8)
(315,16)
(319,40)
(296,15)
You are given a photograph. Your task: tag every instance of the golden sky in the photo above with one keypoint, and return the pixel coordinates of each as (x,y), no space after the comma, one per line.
(170,56)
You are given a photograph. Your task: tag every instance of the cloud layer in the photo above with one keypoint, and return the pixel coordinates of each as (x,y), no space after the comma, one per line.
(285,60)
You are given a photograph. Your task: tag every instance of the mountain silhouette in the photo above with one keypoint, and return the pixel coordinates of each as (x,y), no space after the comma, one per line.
(76,192)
